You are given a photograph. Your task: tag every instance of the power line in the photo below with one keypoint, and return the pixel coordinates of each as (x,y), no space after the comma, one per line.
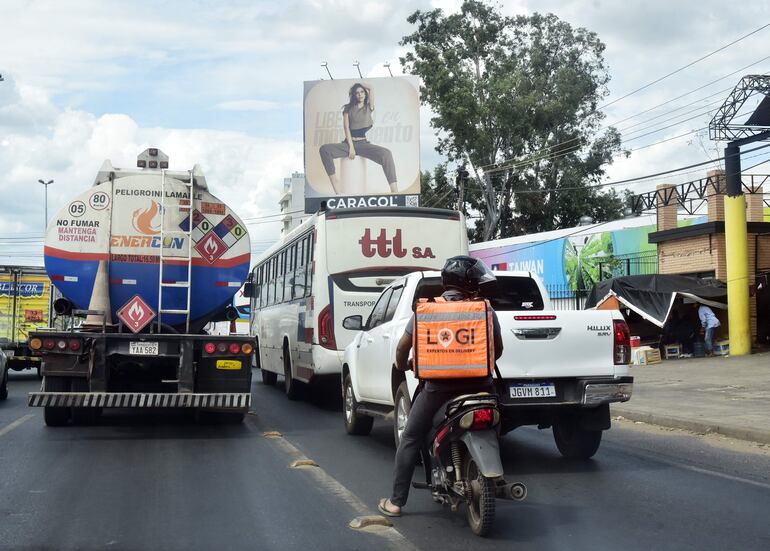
(554,146)
(602,107)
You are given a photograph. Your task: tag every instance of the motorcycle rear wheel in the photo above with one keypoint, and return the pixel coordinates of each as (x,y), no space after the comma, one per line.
(481,501)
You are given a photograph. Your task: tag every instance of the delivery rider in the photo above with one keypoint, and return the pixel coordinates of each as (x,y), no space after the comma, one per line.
(455,348)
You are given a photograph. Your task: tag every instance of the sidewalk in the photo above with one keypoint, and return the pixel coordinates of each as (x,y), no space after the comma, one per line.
(728,396)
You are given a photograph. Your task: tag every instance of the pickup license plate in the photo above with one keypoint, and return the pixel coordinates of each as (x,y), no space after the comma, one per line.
(229,364)
(143,348)
(533,390)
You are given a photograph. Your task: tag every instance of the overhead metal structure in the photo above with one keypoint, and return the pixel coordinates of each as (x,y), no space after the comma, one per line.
(691,196)
(725,127)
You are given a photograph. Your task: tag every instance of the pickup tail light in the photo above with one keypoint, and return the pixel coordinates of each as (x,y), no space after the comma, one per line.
(622,342)
(326,329)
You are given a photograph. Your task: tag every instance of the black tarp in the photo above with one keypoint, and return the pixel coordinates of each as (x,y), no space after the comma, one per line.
(652,296)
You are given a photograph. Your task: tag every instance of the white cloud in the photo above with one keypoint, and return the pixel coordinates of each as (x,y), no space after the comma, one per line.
(247,105)
(244,171)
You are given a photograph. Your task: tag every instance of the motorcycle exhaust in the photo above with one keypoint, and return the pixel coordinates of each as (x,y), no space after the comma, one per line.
(516,491)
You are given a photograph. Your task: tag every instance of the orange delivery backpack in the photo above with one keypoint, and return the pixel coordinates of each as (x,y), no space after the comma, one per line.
(453,339)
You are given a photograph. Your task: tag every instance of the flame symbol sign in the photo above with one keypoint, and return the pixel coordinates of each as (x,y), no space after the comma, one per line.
(143,219)
(136,313)
(445,337)
(211,246)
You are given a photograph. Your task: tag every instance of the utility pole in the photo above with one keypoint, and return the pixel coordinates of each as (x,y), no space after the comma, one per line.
(723,127)
(46,184)
(460,180)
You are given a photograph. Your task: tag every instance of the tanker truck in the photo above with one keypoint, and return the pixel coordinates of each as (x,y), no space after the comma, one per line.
(148,256)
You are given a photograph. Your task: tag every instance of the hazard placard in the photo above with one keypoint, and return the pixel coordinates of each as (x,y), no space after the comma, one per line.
(136,314)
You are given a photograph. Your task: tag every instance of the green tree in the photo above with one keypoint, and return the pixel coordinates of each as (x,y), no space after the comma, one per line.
(515,98)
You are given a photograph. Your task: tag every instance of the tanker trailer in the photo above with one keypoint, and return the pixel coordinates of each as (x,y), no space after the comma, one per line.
(148,256)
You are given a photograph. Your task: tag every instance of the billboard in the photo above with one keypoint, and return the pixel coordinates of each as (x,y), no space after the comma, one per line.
(362,142)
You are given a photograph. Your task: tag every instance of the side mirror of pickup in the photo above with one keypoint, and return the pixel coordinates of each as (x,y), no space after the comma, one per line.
(353,323)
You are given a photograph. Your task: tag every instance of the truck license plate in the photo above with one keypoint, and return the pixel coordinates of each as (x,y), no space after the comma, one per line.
(533,390)
(143,348)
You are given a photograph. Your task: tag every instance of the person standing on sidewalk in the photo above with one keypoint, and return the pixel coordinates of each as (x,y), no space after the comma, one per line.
(709,322)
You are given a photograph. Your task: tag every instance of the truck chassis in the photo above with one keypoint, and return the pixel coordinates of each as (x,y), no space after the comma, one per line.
(86,371)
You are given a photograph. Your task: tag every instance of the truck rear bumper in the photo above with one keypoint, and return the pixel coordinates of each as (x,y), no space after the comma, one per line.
(232,400)
(581,392)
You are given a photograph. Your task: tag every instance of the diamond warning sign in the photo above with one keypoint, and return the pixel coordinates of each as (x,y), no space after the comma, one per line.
(211,247)
(136,314)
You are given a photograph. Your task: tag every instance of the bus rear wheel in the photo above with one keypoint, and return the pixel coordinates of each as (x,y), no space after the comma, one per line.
(291,386)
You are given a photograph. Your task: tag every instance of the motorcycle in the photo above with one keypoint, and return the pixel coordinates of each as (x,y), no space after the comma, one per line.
(462,460)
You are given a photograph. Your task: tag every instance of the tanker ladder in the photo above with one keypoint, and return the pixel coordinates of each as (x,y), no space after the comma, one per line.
(162,259)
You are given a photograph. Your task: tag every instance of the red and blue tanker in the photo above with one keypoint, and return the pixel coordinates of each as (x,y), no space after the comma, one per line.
(151,256)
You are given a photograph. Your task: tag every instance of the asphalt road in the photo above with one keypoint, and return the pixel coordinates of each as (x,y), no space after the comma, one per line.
(161,481)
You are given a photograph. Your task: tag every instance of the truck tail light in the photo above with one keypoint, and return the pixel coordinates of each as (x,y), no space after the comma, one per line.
(210,348)
(622,342)
(326,328)
(247,349)
(74,345)
(61,345)
(222,347)
(235,348)
(35,344)
(49,344)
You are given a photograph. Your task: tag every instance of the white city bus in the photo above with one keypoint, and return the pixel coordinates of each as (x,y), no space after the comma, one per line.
(332,266)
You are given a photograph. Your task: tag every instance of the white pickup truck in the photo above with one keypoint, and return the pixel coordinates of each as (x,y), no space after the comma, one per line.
(559,369)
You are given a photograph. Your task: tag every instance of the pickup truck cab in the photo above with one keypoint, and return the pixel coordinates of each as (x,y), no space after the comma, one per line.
(559,369)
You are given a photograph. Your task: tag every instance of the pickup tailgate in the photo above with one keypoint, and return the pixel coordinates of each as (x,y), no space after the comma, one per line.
(556,343)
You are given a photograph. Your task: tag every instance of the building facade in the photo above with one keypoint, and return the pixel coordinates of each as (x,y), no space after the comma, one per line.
(292,202)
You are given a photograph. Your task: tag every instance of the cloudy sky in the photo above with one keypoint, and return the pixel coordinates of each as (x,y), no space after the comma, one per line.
(219,83)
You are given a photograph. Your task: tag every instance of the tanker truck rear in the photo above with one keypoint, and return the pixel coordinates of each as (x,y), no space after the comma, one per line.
(149,257)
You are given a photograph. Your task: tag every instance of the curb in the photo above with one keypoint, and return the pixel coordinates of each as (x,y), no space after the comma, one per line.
(703,427)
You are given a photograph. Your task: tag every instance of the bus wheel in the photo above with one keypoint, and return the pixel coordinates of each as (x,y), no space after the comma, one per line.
(290,385)
(268,377)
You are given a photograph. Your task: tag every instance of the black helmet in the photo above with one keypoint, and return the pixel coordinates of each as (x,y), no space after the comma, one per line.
(465,273)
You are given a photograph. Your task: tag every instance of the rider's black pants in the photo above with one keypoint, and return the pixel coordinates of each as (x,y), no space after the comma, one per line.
(417,428)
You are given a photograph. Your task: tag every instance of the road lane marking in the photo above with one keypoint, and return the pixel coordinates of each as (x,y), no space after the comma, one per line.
(331,486)
(16,424)
(726,476)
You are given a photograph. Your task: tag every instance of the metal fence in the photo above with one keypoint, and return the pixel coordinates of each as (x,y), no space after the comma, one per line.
(564,297)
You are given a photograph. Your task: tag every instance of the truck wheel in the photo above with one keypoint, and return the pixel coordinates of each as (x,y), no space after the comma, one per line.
(403,405)
(355,423)
(53,416)
(290,385)
(574,442)
(83,416)
(268,377)
(4,386)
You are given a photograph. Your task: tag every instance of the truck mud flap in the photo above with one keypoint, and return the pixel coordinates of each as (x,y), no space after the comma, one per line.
(139,400)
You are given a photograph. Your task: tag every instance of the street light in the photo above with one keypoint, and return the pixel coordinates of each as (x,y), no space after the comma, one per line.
(46,184)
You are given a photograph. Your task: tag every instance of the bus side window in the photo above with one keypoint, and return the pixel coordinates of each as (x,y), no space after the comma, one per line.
(299,271)
(271,284)
(290,267)
(309,265)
